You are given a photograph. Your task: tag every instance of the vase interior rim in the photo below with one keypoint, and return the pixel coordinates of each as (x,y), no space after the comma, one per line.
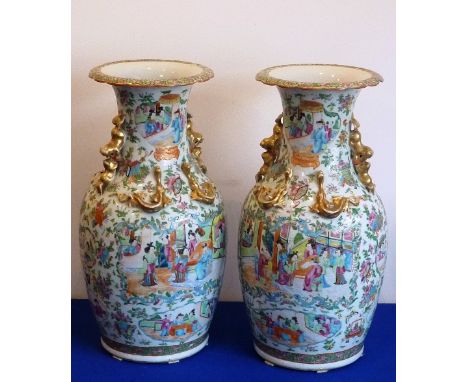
(319,76)
(151,73)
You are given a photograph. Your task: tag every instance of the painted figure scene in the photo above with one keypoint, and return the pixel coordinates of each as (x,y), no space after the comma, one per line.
(310,128)
(160,121)
(288,260)
(180,256)
(180,324)
(295,329)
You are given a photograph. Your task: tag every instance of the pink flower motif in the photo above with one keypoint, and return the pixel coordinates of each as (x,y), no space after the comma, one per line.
(171,183)
(182,206)
(365,270)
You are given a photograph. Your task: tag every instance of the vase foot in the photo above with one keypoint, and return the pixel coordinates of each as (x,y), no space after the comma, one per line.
(318,367)
(175,357)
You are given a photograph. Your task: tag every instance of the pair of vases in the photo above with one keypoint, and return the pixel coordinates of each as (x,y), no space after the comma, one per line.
(312,237)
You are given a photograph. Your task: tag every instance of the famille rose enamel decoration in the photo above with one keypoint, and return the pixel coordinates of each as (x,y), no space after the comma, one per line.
(312,237)
(152,224)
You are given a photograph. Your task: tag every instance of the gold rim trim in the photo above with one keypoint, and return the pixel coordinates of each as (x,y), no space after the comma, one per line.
(97,75)
(265,77)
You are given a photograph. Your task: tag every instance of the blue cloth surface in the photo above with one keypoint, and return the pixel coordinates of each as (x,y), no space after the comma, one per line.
(228,357)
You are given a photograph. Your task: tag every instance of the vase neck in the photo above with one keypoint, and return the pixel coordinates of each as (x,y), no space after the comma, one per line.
(155,123)
(316,128)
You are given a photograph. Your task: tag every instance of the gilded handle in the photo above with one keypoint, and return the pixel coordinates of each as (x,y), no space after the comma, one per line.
(330,208)
(272,146)
(268,197)
(195,140)
(359,156)
(112,153)
(154,203)
(204,192)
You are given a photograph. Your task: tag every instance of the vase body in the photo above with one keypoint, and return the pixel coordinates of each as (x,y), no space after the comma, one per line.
(152,250)
(312,238)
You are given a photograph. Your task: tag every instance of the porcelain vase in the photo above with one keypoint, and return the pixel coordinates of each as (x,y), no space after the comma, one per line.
(312,238)
(152,225)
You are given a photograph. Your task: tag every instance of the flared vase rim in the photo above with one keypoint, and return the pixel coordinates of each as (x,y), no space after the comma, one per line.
(183,73)
(352,77)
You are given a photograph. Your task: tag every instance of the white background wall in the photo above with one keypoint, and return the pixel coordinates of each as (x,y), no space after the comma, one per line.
(233,111)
